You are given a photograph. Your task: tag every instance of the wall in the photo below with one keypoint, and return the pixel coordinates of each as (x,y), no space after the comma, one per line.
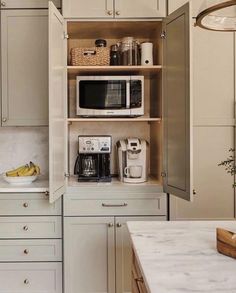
(19,145)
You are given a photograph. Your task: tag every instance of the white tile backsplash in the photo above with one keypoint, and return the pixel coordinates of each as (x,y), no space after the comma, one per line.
(19,145)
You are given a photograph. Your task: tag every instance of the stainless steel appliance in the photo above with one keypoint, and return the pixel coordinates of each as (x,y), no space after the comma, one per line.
(93,160)
(107,96)
(132,160)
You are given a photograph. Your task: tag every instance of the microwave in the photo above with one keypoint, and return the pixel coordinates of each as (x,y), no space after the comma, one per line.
(107,96)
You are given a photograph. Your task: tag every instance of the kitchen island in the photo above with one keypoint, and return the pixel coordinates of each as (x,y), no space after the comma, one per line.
(178,257)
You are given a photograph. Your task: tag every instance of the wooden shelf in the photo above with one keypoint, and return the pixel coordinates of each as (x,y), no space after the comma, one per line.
(114,69)
(138,119)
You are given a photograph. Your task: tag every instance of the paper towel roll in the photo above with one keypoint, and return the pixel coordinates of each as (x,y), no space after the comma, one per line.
(147,54)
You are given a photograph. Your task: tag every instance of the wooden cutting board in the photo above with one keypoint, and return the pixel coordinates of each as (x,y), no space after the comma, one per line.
(226,242)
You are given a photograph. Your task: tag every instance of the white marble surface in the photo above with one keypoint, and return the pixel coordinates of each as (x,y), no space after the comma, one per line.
(40,185)
(179,257)
(19,145)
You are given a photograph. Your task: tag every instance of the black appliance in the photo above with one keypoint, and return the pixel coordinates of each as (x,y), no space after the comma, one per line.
(93,160)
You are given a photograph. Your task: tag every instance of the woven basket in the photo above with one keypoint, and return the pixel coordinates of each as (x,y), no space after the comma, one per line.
(97,56)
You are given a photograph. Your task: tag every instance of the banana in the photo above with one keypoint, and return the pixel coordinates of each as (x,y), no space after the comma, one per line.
(26,170)
(13,173)
(36,167)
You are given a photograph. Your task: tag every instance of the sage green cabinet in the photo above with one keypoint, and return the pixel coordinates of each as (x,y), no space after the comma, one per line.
(24,66)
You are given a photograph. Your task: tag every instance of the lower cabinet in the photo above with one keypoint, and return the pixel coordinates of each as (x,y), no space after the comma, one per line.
(30,277)
(97,253)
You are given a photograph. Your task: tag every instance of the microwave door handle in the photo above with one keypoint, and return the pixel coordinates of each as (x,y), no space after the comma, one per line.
(128,92)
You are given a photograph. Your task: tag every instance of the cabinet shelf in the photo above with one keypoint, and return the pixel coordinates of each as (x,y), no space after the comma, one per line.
(146,70)
(127,119)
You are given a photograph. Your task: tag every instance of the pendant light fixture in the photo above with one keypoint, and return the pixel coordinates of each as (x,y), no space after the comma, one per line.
(218,16)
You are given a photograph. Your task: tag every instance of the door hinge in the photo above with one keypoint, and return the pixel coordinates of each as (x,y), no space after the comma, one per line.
(67,175)
(66,36)
(163,174)
(163,35)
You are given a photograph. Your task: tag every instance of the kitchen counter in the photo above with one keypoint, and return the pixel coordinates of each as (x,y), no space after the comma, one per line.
(178,257)
(40,185)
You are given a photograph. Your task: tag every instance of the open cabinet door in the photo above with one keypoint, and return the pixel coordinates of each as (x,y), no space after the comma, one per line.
(177,173)
(57,104)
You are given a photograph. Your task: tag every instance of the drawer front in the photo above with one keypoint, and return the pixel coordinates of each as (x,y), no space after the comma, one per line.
(30,227)
(31,278)
(30,250)
(23,204)
(104,207)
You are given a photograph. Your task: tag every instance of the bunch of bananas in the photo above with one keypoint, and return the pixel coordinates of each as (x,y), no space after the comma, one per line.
(27,170)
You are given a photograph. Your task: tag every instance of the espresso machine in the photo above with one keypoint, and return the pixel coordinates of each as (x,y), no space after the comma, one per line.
(93,160)
(132,160)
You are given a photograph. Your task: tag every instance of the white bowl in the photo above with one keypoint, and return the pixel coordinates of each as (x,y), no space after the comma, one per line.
(21,180)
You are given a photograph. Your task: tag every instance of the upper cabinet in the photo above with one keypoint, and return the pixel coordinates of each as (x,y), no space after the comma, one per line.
(177,174)
(24,66)
(140,8)
(88,8)
(114,9)
(11,4)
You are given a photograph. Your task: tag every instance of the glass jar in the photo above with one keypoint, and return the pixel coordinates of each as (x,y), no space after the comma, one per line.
(130,51)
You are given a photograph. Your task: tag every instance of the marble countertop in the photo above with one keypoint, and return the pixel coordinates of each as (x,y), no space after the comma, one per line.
(181,257)
(40,185)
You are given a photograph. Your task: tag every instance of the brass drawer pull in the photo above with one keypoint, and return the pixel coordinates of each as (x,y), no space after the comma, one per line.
(110,225)
(25,205)
(114,205)
(25,228)
(26,251)
(26,281)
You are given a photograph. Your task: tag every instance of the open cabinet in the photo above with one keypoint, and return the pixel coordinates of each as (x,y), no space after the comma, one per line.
(166,124)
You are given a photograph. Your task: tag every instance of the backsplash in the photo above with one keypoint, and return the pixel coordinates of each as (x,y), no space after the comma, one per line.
(19,145)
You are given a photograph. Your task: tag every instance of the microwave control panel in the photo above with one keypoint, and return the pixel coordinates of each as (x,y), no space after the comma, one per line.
(94,144)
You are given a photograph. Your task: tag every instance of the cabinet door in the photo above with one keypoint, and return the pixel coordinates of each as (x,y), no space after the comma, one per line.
(88,8)
(11,4)
(89,254)
(214,199)
(140,8)
(57,104)
(177,175)
(24,59)
(124,252)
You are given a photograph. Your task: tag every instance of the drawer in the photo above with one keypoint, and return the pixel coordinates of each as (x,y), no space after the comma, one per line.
(30,250)
(154,205)
(13,4)
(30,227)
(26,204)
(31,277)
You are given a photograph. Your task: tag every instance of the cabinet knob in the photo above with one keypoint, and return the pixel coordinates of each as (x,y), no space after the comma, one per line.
(25,205)
(117,12)
(194,192)
(26,251)
(4,119)
(25,228)
(109,12)
(110,225)
(46,193)
(3,4)
(118,225)
(26,281)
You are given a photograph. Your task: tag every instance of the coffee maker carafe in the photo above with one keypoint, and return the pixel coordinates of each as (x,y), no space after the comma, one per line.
(132,160)
(93,160)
